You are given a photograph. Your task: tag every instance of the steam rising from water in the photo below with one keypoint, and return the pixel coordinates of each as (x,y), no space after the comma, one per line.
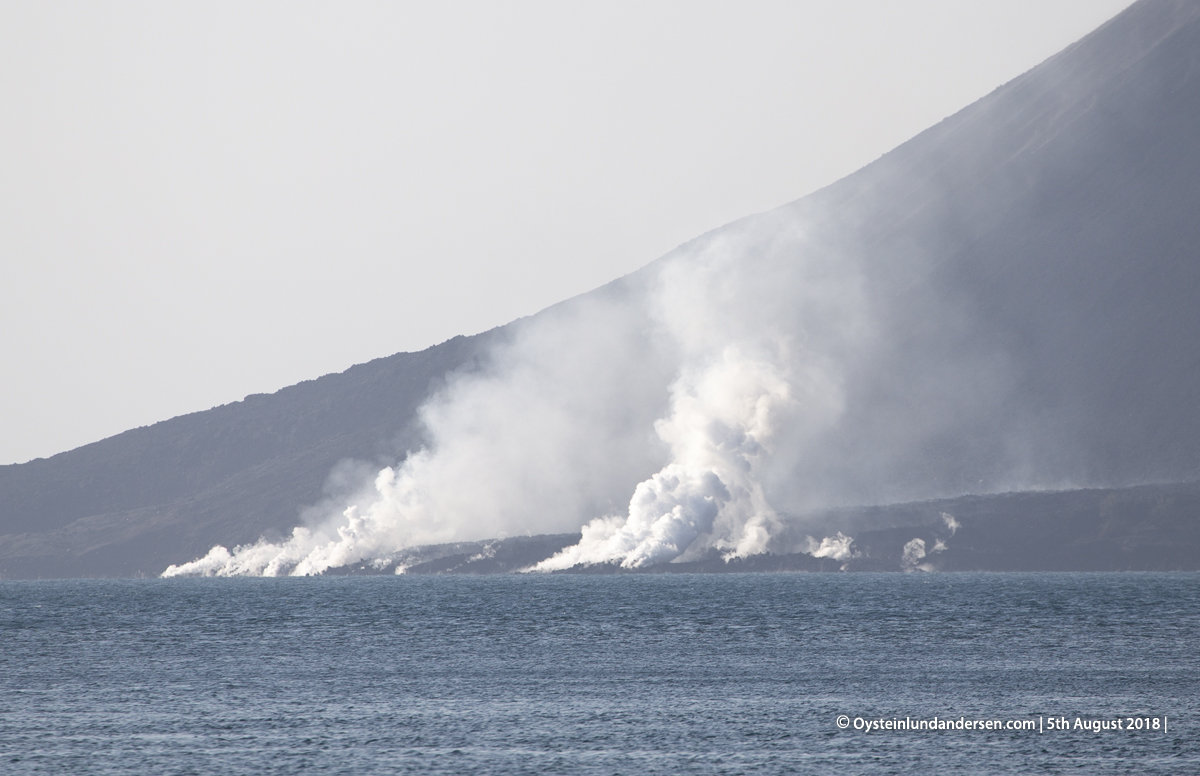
(671,414)
(650,413)
(722,423)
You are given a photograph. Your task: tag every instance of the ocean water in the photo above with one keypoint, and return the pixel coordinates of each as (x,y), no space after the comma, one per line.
(646,674)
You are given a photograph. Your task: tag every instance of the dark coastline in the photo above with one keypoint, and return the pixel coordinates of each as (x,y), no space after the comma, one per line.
(1144,528)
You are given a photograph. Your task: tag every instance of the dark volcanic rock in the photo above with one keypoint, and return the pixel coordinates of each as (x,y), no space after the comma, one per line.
(495,556)
(1144,528)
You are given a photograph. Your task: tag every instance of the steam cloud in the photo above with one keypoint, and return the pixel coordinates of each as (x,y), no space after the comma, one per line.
(837,547)
(722,423)
(913,554)
(694,407)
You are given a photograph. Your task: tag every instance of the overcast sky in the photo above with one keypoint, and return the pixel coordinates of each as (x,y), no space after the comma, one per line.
(199,201)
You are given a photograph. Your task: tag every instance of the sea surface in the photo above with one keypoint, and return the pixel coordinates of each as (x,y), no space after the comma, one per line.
(645,674)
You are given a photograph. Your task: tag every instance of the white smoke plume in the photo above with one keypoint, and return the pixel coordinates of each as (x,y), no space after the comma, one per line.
(660,414)
(836,547)
(722,423)
(913,554)
(540,434)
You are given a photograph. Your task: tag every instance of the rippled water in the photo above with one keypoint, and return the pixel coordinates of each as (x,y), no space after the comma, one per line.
(596,674)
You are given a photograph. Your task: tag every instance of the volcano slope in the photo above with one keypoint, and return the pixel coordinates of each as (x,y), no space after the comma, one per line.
(1025,280)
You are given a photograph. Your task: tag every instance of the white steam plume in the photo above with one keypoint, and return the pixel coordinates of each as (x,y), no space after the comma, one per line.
(680,385)
(721,424)
(836,547)
(545,432)
(913,554)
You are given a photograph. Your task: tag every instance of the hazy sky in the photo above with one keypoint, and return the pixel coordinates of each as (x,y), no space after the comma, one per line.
(201,201)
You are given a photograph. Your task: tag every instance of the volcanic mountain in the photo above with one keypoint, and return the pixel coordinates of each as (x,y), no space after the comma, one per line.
(1010,301)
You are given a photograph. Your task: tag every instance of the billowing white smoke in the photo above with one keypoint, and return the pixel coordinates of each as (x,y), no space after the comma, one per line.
(721,424)
(913,554)
(679,386)
(837,547)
